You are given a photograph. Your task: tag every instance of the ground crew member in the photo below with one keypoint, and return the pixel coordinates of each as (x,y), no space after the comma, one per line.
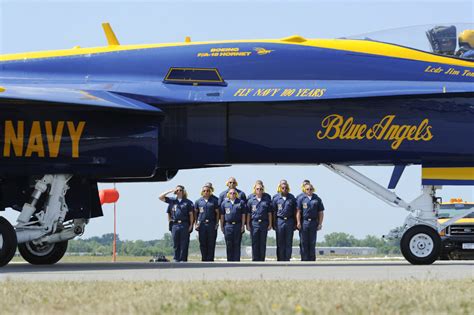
(274,218)
(232,223)
(302,194)
(265,195)
(232,184)
(309,218)
(180,215)
(284,205)
(218,208)
(207,218)
(259,221)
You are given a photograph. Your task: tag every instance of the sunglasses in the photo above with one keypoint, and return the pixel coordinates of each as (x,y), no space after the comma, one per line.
(232,182)
(232,193)
(178,190)
(308,189)
(258,188)
(206,190)
(284,188)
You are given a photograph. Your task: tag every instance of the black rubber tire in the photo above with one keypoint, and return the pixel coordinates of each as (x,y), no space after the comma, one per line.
(405,245)
(9,242)
(52,257)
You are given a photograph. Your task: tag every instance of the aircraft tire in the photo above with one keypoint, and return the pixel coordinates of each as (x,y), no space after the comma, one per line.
(47,254)
(8,242)
(420,245)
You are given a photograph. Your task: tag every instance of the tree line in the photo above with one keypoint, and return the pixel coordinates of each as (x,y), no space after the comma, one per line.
(102,245)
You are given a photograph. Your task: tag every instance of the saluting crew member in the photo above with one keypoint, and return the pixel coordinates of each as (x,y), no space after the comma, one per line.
(232,184)
(284,205)
(232,223)
(259,221)
(180,215)
(309,218)
(207,219)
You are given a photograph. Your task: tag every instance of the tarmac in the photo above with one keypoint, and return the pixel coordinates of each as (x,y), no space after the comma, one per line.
(200,271)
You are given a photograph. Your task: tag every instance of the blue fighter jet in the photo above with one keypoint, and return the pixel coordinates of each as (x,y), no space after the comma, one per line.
(140,113)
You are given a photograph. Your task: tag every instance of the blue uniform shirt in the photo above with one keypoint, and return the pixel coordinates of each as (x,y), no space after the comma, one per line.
(233,212)
(240,195)
(259,210)
(310,206)
(206,210)
(300,196)
(179,210)
(265,196)
(284,208)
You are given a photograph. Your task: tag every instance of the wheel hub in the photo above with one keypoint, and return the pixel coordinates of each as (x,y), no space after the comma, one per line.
(39,249)
(1,241)
(421,245)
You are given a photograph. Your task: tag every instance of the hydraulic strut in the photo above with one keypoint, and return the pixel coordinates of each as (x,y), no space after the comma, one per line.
(423,209)
(32,224)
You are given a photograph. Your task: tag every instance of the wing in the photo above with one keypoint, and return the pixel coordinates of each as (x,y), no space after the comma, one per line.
(60,96)
(98,134)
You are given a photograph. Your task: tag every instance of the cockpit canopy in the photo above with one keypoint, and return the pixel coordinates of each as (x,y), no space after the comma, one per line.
(454,40)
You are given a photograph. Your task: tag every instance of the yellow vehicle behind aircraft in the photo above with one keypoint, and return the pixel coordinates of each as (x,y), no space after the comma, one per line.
(458,238)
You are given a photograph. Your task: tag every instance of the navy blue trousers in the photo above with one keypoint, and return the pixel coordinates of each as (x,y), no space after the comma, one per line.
(308,240)
(233,238)
(207,240)
(284,232)
(259,233)
(180,233)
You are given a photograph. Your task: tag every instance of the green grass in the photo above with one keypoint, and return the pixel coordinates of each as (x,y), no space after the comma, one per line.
(238,297)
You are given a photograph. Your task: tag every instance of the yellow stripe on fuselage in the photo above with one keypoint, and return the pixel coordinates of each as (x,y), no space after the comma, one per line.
(359,46)
(448,173)
(383,49)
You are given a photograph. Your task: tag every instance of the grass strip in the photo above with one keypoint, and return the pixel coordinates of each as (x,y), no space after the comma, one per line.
(239,297)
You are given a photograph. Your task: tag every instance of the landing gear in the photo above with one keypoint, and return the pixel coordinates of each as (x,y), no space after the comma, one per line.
(7,242)
(421,245)
(43,234)
(49,216)
(420,240)
(42,254)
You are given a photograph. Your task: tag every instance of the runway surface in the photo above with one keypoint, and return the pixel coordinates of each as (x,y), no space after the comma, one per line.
(324,270)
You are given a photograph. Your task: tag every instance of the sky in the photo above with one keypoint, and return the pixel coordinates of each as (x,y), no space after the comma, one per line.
(46,25)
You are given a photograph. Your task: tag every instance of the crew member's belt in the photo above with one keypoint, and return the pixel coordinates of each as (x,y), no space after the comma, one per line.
(205,221)
(259,221)
(232,222)
(309,219)
(180,221)
(285,218)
